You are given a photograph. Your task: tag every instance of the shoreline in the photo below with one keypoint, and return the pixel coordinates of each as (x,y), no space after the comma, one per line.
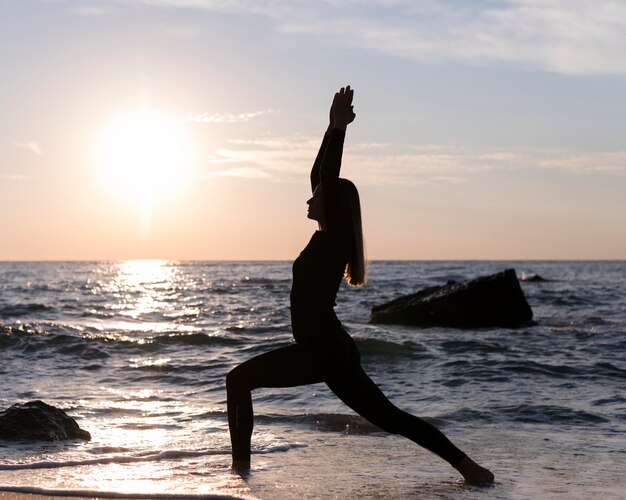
(20,495)
(14,495)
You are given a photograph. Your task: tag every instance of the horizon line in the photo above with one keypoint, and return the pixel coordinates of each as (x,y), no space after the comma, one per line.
(9,261)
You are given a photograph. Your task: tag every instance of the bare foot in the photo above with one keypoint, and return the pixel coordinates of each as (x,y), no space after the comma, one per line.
(474,473)
(240,466)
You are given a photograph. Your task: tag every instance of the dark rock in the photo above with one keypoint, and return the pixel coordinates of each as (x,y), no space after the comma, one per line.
(38,421)
(494,300)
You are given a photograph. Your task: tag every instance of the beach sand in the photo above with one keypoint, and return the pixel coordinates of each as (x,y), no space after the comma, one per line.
(526,462)
(9,495)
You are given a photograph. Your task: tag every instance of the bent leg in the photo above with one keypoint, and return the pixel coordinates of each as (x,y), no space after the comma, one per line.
(361,394)
(285,367)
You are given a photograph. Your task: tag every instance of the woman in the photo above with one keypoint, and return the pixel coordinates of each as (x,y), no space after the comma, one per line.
(323,351)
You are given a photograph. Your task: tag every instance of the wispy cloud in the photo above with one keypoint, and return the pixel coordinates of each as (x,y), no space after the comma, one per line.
(88,10)
(563,36)
(223,118)
(586,163)
(281,158)
(31,146)
(290,158)
(241,172)
(455,163)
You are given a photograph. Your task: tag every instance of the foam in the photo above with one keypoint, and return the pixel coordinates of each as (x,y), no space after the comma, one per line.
(127,459)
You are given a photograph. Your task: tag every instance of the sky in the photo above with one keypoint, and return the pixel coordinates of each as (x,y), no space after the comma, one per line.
(186,129)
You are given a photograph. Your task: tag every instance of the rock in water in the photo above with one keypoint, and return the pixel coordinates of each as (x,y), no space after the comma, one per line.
(38,421)
(494,300)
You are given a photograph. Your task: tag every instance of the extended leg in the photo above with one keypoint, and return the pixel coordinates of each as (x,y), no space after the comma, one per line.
(358,391)
(286,367)
(361,394)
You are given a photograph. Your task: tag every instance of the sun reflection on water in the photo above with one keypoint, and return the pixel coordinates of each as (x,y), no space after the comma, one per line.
(150,289)
(142,273)
(146,431)
(153,437)
(143,287)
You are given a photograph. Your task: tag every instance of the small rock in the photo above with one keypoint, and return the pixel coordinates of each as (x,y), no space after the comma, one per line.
(38,421)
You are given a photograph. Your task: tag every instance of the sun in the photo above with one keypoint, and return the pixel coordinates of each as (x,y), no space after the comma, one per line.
(145,152)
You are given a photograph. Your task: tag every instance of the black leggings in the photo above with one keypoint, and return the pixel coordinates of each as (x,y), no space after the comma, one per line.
(338,365)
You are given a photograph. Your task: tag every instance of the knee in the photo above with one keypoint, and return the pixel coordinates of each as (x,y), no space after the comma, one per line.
(231,379)
(234,379)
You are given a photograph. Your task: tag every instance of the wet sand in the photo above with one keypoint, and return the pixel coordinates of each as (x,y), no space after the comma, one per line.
(9,495)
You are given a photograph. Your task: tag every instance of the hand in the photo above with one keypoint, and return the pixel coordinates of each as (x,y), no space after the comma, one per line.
(342,111)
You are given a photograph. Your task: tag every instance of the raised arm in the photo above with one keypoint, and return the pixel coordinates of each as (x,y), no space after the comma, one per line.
(343,114)
(317,164)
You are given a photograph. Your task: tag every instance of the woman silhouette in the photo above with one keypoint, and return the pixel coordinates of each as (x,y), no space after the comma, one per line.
(323,351)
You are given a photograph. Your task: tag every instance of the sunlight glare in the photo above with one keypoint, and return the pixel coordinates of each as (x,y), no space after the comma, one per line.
(144,287)
(141,274)
(145,152)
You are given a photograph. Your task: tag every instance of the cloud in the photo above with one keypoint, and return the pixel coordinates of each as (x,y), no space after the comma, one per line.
(31,146)
(561,36)
(587,163)
(281,158)
(89,10)
(223,118)
(290,159)
(455,163)
(242,172)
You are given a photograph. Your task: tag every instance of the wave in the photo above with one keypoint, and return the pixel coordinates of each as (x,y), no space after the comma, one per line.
(30,287)
(258,329)
(540,414)
(328,422)
(378,347)
(266,282)
(177,368)
(17,310)
(609,369)
(566,298)
(143,427)
(153,457)
(616,399)
(119,411)
(562,371)
(459,371)
(108,449)
(204,339)
(551,414)
(32,337)
(97,313)
(466,346)
(533,367)
(30,342)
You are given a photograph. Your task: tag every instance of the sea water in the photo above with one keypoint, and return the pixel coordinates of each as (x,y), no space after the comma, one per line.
(137,352)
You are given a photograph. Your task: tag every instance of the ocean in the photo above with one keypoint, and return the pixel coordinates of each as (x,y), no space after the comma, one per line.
(137,352)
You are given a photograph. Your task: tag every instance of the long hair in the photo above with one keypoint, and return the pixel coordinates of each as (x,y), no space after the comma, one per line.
(350,205)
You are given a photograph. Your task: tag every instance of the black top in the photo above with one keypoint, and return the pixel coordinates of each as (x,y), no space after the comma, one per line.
(318,270)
